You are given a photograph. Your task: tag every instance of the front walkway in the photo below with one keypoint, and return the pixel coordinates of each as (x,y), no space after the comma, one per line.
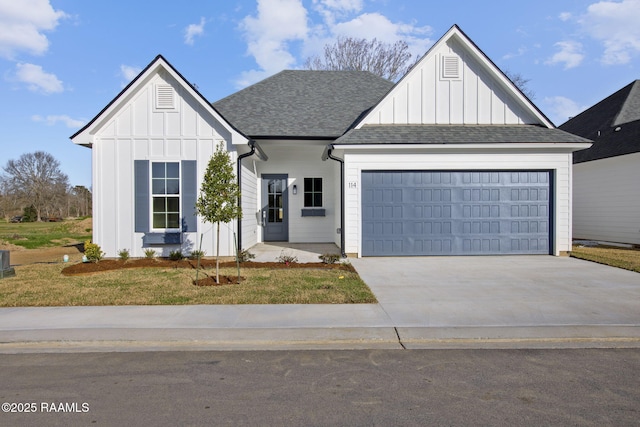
(305,252)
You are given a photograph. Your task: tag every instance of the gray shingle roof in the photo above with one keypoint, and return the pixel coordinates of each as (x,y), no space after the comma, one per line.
(456,134)
(620,111)
(303,103)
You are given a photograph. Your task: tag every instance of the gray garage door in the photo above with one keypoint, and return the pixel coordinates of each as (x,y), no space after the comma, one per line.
(455,212)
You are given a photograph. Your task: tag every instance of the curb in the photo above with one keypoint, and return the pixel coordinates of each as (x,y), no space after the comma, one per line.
(337,338)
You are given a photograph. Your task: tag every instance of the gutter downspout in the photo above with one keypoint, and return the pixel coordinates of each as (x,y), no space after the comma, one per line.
(239,170)
(330,148)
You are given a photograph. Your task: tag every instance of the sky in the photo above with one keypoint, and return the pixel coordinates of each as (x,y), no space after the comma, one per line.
(63,61)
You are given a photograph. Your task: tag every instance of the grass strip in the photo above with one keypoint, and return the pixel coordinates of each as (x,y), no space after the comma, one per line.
(626,258)
(43,285)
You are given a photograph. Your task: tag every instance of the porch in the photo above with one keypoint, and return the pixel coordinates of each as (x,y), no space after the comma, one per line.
(305,252)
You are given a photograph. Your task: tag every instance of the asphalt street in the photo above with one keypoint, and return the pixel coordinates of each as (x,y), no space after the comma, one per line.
(581,387)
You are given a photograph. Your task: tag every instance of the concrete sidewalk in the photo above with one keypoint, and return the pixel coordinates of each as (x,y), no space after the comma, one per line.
(427,302)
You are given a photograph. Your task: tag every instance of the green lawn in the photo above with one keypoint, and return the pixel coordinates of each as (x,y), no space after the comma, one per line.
(627,258)
(43,285)
(33,235)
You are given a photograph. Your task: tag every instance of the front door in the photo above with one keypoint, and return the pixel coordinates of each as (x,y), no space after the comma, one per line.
(275,218)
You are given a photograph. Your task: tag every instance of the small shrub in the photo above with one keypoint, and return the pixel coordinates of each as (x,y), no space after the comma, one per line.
(123,254)
(92,251)
(149,253)
(244,255)
(29,214)
(176,255)
(197,254)
(329,258)
(285,258)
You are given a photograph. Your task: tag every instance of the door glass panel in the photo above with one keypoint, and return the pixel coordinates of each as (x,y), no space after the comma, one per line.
(275,200)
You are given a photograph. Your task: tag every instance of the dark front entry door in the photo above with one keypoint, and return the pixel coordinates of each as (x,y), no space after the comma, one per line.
(275,218)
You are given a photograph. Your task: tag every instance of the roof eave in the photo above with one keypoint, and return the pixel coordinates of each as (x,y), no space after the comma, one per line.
(465,146)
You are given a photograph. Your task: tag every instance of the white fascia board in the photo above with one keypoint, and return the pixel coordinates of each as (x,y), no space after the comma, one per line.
(546,146)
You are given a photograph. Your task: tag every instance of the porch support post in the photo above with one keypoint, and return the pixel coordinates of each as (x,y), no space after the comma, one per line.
(262,156)
(325,155)
(239,173)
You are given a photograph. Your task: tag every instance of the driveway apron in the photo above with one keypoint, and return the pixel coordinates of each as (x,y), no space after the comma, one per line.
(502,291)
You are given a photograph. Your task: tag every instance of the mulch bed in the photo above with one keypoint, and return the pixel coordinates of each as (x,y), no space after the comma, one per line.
(114,264)
(224,280)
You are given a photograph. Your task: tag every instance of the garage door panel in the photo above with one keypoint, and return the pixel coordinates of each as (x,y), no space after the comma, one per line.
(461,212)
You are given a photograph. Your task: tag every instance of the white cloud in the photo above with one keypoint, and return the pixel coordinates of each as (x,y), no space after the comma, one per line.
(22,24)
(281,24)
(343,5)
(565,16)
(331,10)
(615,25)
(562,108)
(268,34)
(520,52)
(570,54)
(375,25)
(129,72)
(37,79)
(194,30)
(53,120)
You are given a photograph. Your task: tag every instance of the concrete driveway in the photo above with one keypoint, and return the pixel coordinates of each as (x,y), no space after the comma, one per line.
(504,296)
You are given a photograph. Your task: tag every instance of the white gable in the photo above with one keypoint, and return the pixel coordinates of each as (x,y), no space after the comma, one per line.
(158,103)
(455,83)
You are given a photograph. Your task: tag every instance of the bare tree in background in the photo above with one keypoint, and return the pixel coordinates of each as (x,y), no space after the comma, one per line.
(79,201)
(389,61)
(36,178)
(521,82)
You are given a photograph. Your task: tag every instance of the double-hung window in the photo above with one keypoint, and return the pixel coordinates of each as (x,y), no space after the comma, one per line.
(165,195)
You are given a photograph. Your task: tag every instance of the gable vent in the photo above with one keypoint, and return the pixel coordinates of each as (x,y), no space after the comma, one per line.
(165,97)
(450,67)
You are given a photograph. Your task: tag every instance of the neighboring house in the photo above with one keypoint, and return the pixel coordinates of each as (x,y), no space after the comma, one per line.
(451,160)
(606,198)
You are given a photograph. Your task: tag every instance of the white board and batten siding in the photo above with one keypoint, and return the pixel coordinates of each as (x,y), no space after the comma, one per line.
(139,130)
(559,164)
(432,94)
(607,199)
(249,204)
